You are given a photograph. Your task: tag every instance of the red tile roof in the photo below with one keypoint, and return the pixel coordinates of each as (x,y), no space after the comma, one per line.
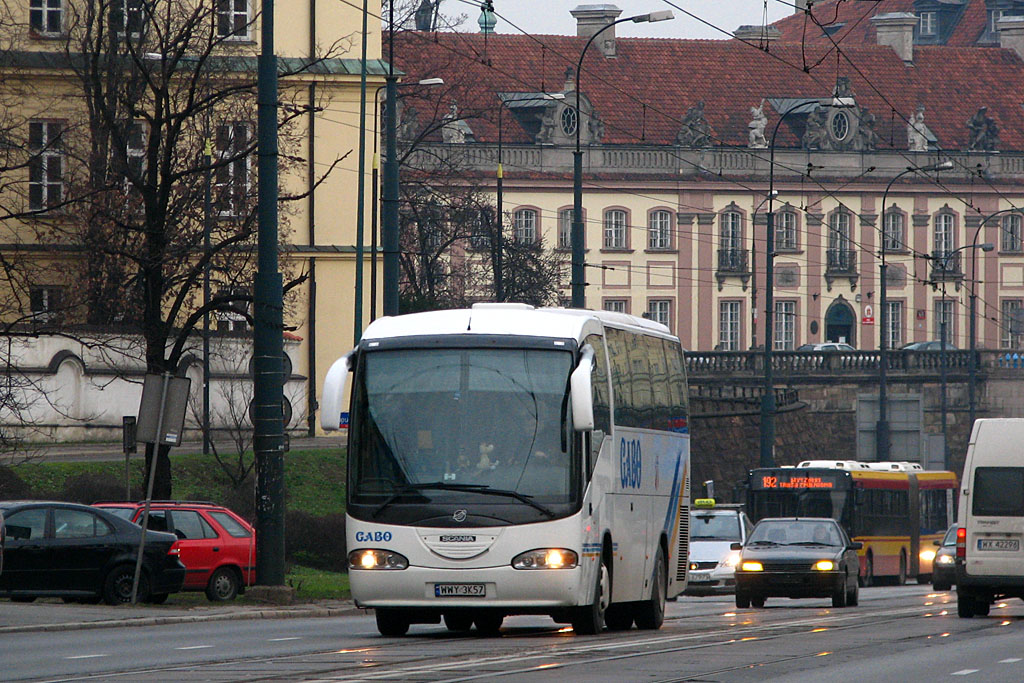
(857,28)
(643,94)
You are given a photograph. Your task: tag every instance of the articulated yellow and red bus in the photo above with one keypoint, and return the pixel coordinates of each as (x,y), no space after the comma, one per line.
(895,509)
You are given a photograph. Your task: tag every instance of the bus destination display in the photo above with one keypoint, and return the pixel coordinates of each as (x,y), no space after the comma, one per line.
(795,480)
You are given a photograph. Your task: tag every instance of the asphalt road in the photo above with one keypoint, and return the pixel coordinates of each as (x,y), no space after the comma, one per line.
(904,634)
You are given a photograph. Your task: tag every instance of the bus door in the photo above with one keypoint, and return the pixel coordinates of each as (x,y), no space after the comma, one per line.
(914,511)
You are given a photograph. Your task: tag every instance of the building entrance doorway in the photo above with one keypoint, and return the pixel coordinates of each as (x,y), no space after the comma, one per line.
(840,323)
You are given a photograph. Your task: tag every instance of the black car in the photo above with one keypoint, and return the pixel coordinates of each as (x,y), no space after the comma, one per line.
(75,551)
(790,557)
(944,564)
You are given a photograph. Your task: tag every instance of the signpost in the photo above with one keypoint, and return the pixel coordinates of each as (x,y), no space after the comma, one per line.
(128,444)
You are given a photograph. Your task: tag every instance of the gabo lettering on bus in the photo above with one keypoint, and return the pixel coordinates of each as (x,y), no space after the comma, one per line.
(629,464)
(370,536)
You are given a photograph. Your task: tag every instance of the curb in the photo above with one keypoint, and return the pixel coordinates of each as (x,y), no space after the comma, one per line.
(271,613)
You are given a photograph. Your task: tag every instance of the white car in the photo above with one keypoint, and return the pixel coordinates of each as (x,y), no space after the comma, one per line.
(827,346)
(712,562)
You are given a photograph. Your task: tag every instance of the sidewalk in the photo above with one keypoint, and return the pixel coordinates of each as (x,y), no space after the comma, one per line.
(54,615)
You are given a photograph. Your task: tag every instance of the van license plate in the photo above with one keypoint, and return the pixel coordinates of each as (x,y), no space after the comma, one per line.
(1009,544)
(460,590)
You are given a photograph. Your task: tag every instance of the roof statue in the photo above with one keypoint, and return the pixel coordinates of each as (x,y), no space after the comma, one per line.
(815,134)
(867,138)
(758,122)
(917,140)
(983,132)
(408,122)
(452,133)
(695,132)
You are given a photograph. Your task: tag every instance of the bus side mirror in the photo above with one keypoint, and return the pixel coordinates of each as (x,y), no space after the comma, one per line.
(580,390)
(855,545)
(333,398)
(735,546)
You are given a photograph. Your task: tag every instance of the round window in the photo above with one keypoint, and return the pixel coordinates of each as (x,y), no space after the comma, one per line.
(840,126)
(569,121)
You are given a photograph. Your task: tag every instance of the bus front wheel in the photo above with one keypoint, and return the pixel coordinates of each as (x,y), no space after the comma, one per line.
(869,573)
(589,620)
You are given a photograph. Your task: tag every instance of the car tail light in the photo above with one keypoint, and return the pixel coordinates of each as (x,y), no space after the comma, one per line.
(961,543)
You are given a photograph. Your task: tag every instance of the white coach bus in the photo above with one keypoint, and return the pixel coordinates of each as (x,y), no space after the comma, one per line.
(510,460)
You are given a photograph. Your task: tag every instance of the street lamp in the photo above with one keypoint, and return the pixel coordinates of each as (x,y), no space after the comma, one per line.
(576,236)
(373,192)
(972,367)
(767,458)
(882,442)
(974,246)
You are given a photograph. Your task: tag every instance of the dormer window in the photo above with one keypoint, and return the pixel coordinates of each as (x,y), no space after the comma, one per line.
(569,121)
(993,19)
(928,24)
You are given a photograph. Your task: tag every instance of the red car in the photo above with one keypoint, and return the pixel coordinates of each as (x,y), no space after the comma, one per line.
(218,548)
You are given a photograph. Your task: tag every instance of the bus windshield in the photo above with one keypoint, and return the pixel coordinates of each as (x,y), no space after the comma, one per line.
(484,429)
(800,503)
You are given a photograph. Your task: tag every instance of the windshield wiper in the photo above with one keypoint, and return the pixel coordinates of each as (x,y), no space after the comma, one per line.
(811,543)
(471,488)
(763,543)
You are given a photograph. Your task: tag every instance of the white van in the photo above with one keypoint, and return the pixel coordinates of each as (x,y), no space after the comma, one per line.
(989,553)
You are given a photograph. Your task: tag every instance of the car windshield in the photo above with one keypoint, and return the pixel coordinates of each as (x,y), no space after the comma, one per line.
(795,532)
(436,424)
(714,526)
(123,513)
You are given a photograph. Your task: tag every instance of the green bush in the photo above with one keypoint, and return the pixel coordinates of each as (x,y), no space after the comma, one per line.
(12,487)
(316,541)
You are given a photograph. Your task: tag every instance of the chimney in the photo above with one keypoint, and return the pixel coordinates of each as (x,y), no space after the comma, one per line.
(1011,34)
(896,30)
(753,33)
(592,18)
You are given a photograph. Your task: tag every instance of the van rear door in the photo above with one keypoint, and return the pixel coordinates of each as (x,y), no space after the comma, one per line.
(995,532)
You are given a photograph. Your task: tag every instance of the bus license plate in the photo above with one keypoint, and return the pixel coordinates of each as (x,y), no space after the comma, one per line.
(460,590)
(1012,545)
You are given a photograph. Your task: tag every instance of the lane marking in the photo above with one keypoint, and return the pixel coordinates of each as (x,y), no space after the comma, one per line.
(1011,660)
(278,640)
(85,656)
(193,647)
(964,672)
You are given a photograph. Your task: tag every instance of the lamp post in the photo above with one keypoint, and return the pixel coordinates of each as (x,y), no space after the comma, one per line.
(578,280)
(972,366)
(389,214)
(882,440)
(374,184)
(767,457)
(973,246)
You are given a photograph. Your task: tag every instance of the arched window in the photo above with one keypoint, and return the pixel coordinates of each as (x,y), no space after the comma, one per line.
(944,237)
(732,230)
(659,230)
(785,231)
(615,229)
(525,221)
(893,232)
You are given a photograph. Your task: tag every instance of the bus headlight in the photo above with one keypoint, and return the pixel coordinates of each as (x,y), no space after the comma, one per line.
(824,565)
(372,558)
(730,560)
(545,558)
(928,555)
(751,566)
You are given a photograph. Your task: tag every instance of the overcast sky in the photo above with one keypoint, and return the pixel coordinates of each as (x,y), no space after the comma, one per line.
(552,16)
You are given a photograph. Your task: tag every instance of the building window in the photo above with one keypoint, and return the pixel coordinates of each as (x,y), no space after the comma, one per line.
(993,19)
(785,326)
(568,121)
(525,222)
(840,126)
(233,19)
(944,314)
(615,229)
(1012,323)
(480,238)
(894,325)
(1011,233)
(231,181)
(615,305)
(234,320)
(893,232)
(728,326)
(732,230)
(129,17)
(46,166)
(943,235)
(659,230)
(565,229)
(785,231)
(46,303)
(927,26)
(46,16)
(658,311)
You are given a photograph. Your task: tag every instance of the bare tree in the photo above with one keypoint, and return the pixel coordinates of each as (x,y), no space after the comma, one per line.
(156,171)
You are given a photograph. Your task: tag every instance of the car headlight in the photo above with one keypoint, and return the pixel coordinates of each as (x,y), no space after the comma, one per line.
(730,560)
(944,559)
(372,558)
(824,565)
(751,566)
(928,555)
(545,558)
(693,566)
